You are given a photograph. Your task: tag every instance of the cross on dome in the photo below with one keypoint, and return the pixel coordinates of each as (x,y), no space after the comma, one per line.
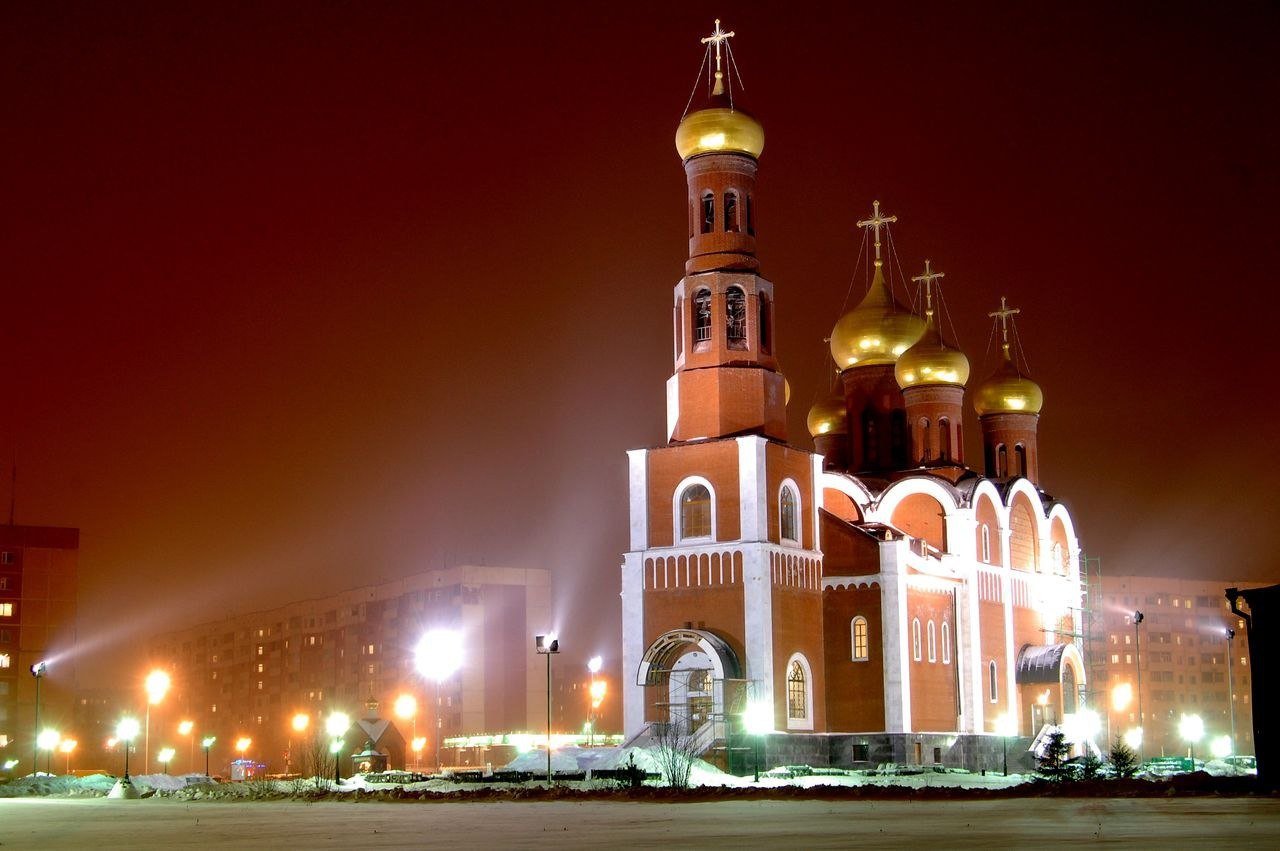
(1002,315)
(876,222)
(927,279)
(718,38)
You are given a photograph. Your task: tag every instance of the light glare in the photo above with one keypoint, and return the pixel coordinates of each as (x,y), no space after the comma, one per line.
(438,654)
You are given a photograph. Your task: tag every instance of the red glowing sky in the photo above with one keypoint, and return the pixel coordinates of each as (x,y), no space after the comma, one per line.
(302,296)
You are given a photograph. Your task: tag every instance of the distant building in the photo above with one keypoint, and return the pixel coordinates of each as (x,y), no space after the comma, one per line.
(248,675)
(1185,659)
(38,568)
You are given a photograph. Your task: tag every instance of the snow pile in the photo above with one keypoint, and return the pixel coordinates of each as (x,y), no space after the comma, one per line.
(572,759)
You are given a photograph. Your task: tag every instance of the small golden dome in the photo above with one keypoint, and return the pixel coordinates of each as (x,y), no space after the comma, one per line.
(828,417)
(720,128)
(1008,391)
(931,361)
(877,331)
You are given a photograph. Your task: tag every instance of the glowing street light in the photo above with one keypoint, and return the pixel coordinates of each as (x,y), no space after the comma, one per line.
(1006,728)
(48,741)
(437,657)
(242,745)
(1121,697)
(207,743)
(596,693)
(1191,729)
(300,722)
(126,731)
(337,725)
(185,728)
(1133,738)
(758,720)
(157,686)
(1220,747)
(165,756)
(67,746)
(548,645)
(406,709)
(416,746)
(37,671)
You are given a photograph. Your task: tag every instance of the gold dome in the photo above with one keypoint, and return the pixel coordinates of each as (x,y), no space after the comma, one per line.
(1008,391)
(877,331)
(719,129)
(828,417)
(931,361)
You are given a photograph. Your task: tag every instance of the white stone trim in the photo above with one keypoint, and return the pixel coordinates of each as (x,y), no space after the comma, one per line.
(757,602)
(751,481)
(638,492)
(633,643)
(676,530)
(894,641)
(806,722)
(673,404)
(815,503)
(799,495)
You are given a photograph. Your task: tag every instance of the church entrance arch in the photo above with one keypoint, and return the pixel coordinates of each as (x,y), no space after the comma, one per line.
(689,667)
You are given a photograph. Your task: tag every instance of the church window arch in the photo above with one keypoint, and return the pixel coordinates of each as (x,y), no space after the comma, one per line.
(993,684)
(946,643)
(944,439)
(708,212)
(1020,458)
(695,510)
(702,316)
(933,642)
(986,543)
(1002,461)
(799,693)
(731,223)
(860,639)
(924,439)
(789,513)
(915,639)
(735,316)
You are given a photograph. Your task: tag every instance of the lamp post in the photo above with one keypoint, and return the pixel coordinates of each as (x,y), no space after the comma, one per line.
(406,708)
(185,728)
(1137,667)
(595,694)
(758,719)
(165,756)
(337,725)
(299,723)
(67,746)
(207,743)
(418,743)
(47,741)
(1231,689)
(438,656)
(37,671)
(126,732)
(157,686)
(548,645)
(1005,729)
(1191,728)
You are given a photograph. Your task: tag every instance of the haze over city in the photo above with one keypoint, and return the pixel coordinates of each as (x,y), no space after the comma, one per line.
(300,298)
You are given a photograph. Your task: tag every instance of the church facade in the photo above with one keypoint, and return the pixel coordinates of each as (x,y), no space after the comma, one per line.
(874,599)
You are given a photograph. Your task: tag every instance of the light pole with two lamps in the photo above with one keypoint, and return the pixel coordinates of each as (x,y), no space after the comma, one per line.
(207,743)
(438,656)
(337,725)
(166,756)
(126,732)
(548,645)
(1191,728)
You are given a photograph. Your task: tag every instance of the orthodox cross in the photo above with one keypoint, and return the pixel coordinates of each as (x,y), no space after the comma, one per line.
(718,38)
(876,222)
(1003,315)
(927,279)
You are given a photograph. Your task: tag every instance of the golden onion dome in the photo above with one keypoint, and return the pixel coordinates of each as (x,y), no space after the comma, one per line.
(828,416)
(719,128)
(877,331)
(1008,391)
(931,361)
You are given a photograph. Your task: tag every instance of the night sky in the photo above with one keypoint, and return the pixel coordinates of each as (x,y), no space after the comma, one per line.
(298,297)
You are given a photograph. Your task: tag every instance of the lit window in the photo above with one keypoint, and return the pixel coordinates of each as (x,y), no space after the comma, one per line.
(6,610)
(946,643)
(259,667)
(861,648)
(790,511)
(915,639)
(992,683)
(1115,658)
(6,557)
(213,708)
(797,703)
(260,649)
(4,660)
(933,644)
(695,512)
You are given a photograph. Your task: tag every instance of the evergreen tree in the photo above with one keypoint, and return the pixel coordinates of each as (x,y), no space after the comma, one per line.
(1123,759)
(1090,766)
(1052,761)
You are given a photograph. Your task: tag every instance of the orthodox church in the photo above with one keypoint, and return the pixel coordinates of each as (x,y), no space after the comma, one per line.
(877,598)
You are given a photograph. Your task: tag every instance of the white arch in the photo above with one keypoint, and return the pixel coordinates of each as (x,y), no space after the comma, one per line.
(988,489)
(677,532)
(806,722)
(847,485)
(799,516)
(1024,487)
(893,496)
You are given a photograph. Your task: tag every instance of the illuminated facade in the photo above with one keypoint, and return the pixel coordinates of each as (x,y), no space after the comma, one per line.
(250,674)
(880,598)
(38,575)
(1188,664)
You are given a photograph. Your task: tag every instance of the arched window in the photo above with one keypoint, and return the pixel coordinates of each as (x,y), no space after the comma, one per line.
(946,643)
(751,219)
(4,660)
(915,639)
(933,643)
(763,324)
(1020,455)
(799,693)
(924,440)
(702,316)
(992,684)
(789,514)
(1002,462)
(859,639)
(731,212)
(986,544)
(708,212)
(735,303)
(695,512)
(944,439)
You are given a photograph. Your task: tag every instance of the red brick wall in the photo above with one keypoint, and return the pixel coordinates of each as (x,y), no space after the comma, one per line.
(855,690)
(718,609)
(1024,543)
(783,462)
(717,462)
(841,505)
(920,516)
(933,684)
(797,628)
(846,551)
(991,638)
(986,513)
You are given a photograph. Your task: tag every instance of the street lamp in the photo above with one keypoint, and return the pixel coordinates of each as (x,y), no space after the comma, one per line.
(1231,689)
(1220,747)
(207,743)
(596,693)
(1191,729)
(417,745)
(67,746)
(758,720)
(300,722)
(165,756)
(1006,728)
(438,656)
(1133,738)
(406,708)
(337,725)
(1137,667)
(126,732)
(37,671)
(157,686)
(184,729)
(47,741)
(548,645)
